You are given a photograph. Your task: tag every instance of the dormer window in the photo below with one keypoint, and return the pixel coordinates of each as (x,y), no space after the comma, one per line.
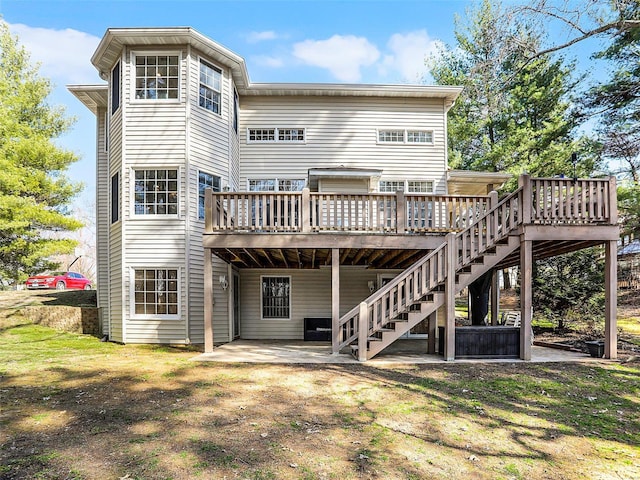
(157,77)
(210,87)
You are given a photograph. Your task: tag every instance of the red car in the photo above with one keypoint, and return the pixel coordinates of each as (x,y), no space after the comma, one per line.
(59,281)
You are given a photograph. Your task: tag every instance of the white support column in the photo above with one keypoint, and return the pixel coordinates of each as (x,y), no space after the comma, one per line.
(611,301)
(450,302)
(208,302)
(335,299)
(526,297)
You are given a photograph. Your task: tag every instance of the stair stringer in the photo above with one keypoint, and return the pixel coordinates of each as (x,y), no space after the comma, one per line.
(388,335)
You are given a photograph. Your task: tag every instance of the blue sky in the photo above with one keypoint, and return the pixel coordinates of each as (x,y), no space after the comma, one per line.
(281,41)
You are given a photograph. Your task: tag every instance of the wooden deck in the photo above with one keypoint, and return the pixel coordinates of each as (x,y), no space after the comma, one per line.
(443,243)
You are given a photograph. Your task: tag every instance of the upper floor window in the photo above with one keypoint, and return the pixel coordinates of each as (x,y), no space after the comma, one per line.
(411,186)
(156,192)
(405,136)
(420,186)
(235,110)
(210,87)
(206,180)
(285,135)
(419,136)
(115,88)
(391,136)
(115,197)
(276,185)
(391,186)
(157,76)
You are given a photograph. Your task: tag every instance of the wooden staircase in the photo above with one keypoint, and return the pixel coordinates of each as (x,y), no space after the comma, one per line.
(419,291)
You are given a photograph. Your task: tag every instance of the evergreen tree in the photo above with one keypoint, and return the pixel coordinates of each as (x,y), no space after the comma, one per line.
(34,192)
(514,115)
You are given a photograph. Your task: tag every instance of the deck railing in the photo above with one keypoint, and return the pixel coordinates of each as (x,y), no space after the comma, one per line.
(337,212)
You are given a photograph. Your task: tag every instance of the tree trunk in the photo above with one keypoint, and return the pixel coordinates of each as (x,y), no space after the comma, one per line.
(506,279)
(479,294)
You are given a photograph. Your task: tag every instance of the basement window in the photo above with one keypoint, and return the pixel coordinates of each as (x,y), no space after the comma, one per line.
(276,298)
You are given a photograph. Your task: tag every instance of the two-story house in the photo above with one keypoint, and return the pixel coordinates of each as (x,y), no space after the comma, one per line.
(230,209)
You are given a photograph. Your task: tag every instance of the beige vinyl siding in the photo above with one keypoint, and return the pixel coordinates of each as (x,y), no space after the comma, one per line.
(310,297)
(210,152)
(343,185)
(115,283)
(115,245)
(342,131)
(103,220)
(155,139)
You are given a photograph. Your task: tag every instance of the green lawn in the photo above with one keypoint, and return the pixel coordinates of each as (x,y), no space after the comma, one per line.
(73,407)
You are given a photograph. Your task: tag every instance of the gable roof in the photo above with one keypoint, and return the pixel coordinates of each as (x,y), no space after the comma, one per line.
(115,39)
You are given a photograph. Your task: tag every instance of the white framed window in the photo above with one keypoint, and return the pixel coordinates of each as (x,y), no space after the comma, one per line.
(275,297)
(279,134)
(210,91)
(391,186)
(157,76)
(404,136)
(391,136)
(206,180)
(115,88)
(419,136)
(156,192)
(156,293)
(420,186)
(115,197)
(276,185)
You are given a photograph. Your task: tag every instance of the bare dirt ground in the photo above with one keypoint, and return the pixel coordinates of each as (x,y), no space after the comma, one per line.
(72,407)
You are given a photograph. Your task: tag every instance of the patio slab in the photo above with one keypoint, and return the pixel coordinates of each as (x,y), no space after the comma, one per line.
(402,351)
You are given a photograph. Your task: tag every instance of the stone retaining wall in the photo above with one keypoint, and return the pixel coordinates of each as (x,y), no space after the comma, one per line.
(69,319)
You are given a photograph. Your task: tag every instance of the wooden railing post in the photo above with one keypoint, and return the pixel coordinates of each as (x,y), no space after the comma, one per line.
(613,202)
(524,181)
(305,211)
(401,212)
(450,302)
(363,331)
(208,201)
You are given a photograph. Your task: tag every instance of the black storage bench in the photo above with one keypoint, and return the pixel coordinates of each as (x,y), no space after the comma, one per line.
(317,329)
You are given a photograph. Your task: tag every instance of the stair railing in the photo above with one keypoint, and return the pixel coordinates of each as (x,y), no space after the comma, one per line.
(427,273)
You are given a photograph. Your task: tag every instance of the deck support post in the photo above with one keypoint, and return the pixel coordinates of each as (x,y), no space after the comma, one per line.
(450,301)
(526,297)
(208,301)
(495,297)
(363,331)
(433,327)
(610,300)
(335,300)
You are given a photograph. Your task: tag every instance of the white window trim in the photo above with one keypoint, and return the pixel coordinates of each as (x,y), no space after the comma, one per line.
(276,135)
(405,136)
(132,294)
(198,172)
(132,194)
(290,300)
(132,87)
(221,92)
(277,184)
(405,183)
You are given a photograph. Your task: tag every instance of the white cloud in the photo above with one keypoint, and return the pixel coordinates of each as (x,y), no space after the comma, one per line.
(268,61)
(407,55)
(255,37)
(64,55)
(343,56)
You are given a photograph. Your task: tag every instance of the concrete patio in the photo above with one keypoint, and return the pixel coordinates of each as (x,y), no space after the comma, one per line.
(408,351)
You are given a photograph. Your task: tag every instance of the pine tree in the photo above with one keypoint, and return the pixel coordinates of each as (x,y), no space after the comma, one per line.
(35,193)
